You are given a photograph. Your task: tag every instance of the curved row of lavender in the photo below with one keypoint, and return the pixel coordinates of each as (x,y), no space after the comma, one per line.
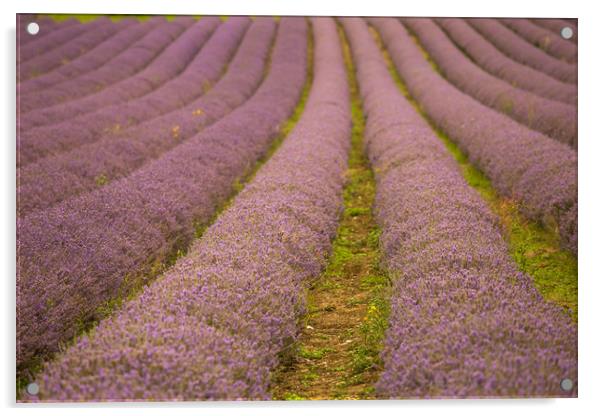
(464,321)
(89,249)
(552,43)
(523,51)
(94,59)
(53,179)
(539,173)
(496,63)
(212,327)
(556,26)
(555,119)
(144,57)
(197,78)
(52,41)
(95,33)
(47,26)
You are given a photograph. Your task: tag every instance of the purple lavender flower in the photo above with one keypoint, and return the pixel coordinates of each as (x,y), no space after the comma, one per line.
(114,155)
(496,63)
(88,62)
(539,173)
(85,251)
(212,327)
(147,64)
(96,32)
(557,120)
(523,51)
(464,321)
(556,26)
(551,42)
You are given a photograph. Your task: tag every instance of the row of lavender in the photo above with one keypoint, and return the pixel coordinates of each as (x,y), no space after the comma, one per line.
(114,155)
(537,172)
(139,145)
(58,35)
(87,62)
(488,57)
(47,25)
(115,112)
(555,119)
(549,41)
(464,322)
(42,141)
(523,51)
(212,327)
(95,32)
(557,25)
(145,69)
(87,250)
(115,116)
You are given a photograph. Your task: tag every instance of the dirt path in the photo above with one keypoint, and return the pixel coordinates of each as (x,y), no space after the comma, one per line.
(338,350)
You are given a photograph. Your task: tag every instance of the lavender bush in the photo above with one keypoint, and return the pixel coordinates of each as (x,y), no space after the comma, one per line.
(169,63)
(87,250)
(523,51)
(94,59)
(91,166)
(110,120)
(125,65)
(47,26)
(212,327)
(556,26)
(464,322)
(537,172)
(54,40)
(552,43)
(496,63)
(557,120)
(97,31)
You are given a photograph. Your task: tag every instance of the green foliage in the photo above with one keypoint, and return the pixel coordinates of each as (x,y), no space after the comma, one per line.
(316,354)
(85,18)
(293,396)
(101,180)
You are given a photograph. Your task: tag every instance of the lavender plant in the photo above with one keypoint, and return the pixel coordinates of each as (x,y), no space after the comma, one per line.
(523,51)
(213,326)
(496,63)
(112,119)
(60,102)
(557,120)
(556,26)
(112,156)
(539,173)
(550,42)
(54,40)
(464,321)
(66,101)
(48,24)
(94,59)
(79,254)
(96,32)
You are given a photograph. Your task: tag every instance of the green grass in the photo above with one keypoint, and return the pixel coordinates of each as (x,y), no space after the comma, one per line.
(353,266)
(316,354)
(359,197)
(293,396)
(535,248)
(85,18)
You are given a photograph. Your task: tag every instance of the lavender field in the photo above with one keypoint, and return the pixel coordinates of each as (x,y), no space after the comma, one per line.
(292,208)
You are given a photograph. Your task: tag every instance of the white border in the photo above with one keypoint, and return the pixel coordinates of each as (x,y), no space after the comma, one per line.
(590,159)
